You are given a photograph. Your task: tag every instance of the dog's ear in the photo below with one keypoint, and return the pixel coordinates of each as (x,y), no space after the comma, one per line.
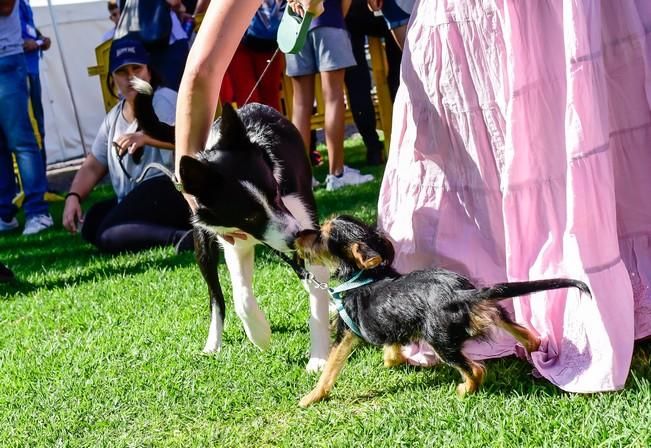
(195,176)
(365,257)
(232,130)
(387,250)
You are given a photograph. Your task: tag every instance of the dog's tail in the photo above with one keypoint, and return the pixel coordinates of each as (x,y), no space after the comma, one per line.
(144,112)
(515,289)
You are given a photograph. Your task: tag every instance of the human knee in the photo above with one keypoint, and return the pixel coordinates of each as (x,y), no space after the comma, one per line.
(109,241)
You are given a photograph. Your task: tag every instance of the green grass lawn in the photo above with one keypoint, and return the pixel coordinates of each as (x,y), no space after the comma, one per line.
(106,351)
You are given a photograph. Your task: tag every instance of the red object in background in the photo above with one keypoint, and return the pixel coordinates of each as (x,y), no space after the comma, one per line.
(244,71)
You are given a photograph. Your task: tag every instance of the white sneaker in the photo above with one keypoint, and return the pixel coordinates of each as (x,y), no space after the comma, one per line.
(315,183)
(349,176)
(348,169)
(36,224)
(6,226)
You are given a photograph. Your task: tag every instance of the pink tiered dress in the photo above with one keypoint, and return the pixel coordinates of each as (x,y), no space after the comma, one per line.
(521,150)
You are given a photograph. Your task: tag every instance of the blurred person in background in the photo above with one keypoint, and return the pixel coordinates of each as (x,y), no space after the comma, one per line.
(17,136)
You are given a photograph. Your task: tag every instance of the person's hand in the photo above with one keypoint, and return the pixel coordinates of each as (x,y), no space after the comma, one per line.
(72,215)
(313,6)
(30,45)
(184,16)
(131,142)
(375,5)
(46,43)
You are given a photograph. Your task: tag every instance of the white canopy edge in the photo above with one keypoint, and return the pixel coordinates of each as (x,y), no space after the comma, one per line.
(80,26)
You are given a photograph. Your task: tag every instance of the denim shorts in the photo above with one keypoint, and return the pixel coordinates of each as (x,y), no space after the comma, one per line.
(326,49)
(394,15)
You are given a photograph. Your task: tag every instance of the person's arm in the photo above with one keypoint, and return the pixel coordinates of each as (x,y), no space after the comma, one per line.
(202,6)
(375,5)
(345,6)
(7,7)
(219,35)
(132,141)
(90,173)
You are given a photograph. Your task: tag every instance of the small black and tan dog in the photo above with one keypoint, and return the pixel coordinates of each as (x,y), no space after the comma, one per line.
(438,306)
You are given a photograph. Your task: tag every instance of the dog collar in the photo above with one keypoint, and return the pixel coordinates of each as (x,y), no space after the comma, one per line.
(336,296)
(335,293)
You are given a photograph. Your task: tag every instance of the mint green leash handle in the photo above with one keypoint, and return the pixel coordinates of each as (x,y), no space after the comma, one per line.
(293,30)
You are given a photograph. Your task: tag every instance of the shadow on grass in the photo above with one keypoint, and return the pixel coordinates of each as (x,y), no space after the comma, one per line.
(514,379)
(641,363)
(362,198)
(506,377)
(72,262)
(287,328)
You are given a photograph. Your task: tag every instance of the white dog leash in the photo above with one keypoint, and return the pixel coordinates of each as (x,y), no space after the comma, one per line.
(257,83)
(162,168)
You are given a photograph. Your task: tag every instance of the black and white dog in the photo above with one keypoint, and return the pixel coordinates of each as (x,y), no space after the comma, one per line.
(253,177)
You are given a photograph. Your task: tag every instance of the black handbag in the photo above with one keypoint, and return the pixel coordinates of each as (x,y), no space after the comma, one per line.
(147,20)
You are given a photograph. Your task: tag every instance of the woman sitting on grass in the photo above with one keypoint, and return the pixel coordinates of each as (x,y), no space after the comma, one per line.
(146,214)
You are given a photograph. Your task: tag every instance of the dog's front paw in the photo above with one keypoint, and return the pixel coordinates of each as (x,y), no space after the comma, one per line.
(315,365)
(210,348)
(257,328)
(213,342)
(312,397)
(261,337)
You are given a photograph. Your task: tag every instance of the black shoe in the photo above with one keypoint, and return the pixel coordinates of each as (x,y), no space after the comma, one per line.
(185,242)
(5,274)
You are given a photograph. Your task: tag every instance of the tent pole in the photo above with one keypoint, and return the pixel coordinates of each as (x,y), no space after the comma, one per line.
(66,75)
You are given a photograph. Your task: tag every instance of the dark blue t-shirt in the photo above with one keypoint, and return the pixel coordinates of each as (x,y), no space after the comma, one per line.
(332,16)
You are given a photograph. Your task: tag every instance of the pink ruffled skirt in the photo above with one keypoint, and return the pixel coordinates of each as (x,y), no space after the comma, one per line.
(521,150)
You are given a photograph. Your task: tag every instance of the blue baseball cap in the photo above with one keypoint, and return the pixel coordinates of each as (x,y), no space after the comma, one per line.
(125,52)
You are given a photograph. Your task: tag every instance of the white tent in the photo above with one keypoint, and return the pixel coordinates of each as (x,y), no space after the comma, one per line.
(72,118)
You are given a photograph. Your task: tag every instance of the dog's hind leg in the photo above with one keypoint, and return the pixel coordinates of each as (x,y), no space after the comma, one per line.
(471,371)
(239,259)
(336,360)
(523,335)
(319,335)
(207,255)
